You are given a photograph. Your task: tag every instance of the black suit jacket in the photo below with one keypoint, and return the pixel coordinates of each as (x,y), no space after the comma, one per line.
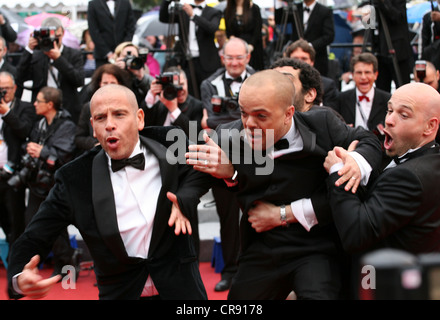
(83,196)
(394,12)
(108,31)
(347,107)
(295,176)
(8,67)
(320,31)
(207,24)
(401,209)
(35,67)
(17,127)
(191,110)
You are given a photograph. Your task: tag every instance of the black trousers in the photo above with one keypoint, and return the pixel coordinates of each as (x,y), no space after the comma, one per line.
(263,275)
(12,207)
(229,216)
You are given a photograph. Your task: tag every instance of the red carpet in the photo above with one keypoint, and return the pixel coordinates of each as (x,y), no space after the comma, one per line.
(85,289)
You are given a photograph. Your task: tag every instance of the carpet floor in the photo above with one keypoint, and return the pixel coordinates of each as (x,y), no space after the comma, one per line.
(85,288)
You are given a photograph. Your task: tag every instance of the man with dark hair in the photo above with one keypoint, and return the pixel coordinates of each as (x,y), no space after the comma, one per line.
(198,24)
(303,51)
(59,67)
(306,79)
(183,110)
(364,105)
(16,120)
(50,145)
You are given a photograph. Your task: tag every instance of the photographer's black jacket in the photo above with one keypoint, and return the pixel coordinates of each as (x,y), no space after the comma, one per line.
(57,139)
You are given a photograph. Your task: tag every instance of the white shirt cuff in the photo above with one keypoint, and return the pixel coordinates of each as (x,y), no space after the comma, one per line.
(305,214)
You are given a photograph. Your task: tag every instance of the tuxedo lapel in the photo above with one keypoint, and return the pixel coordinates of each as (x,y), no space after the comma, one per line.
(309,140)
(376,110)
(106,9)
(104,207)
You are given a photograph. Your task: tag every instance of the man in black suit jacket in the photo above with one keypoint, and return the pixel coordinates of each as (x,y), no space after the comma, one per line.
(127,229)
(318,29)
(5,65)
(283,256)
(401,209)
(110,23)
(17,118)
(394,13)
(60,67)
(364,105)
(303,51)
(181,110)
(199,24)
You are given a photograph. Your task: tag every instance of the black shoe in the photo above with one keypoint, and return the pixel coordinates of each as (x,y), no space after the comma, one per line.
(223,285)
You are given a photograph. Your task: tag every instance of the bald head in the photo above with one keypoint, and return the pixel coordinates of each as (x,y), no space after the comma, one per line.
(274,82)
(112,91)
(412,119)
(424,97)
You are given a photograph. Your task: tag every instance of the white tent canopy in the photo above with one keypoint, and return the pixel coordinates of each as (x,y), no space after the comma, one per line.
(69,7)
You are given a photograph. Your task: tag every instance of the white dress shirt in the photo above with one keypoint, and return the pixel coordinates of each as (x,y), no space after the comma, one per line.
(363,108)
(193,45)
(136,193)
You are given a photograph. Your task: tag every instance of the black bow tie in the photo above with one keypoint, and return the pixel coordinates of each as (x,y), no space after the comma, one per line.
(281,144)
(230,80)
(307,9)
(138,162)
(429,147)
(196,6)
(364,97)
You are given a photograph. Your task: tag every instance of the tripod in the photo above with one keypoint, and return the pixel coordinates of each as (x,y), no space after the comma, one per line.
(289,9)
(177,11)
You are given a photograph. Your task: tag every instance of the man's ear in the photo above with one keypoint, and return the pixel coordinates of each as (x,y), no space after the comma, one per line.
(310,96)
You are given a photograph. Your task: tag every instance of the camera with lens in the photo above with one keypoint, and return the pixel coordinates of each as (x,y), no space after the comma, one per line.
(23,176)
(2,93)
(46,37)
(133,62)
(7,171)
(45,176)
(170,84)
(224,104)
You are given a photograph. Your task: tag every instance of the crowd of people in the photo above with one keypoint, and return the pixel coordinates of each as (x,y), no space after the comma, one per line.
(305,176)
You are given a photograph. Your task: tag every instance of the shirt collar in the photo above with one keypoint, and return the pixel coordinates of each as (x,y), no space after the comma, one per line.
(369,94)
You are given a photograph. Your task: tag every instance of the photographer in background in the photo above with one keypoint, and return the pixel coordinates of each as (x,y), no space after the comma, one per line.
(169,103)
(16,120)
(5,65)
(129,58)
(50,145)
(6,31)
(47,62)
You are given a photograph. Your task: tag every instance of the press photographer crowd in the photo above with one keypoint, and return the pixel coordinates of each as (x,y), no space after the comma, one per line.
(348,209)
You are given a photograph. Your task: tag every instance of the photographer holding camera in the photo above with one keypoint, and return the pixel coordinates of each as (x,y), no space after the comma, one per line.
(16,120)
(50,145)
(129,58)
(169,103)
(47,62)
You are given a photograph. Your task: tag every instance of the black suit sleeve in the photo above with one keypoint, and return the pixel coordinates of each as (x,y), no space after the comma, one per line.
(393,202)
